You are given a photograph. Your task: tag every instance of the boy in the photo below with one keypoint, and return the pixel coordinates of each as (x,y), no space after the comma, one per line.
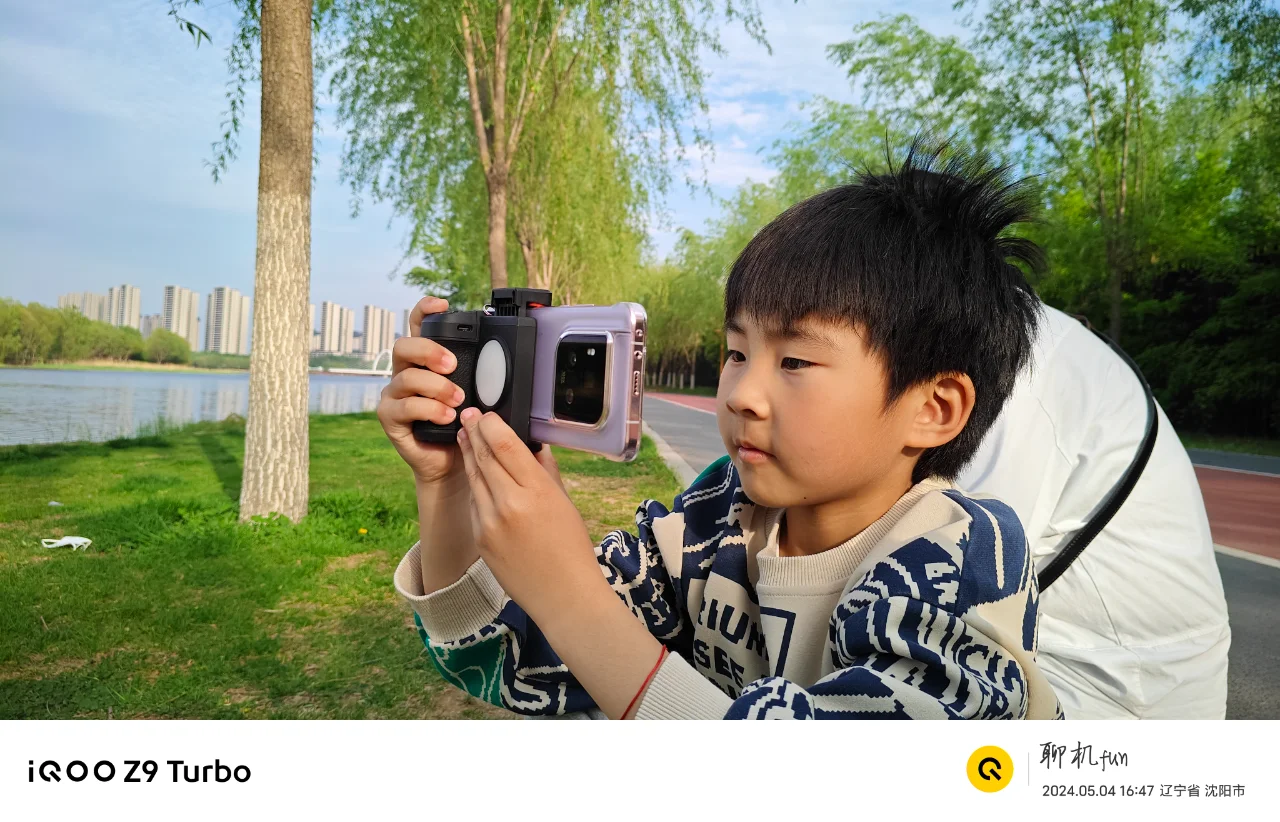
(827,568)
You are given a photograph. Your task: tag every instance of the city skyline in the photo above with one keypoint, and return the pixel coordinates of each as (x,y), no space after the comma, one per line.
(337,327)
(379,330)
(226,328)
(180,315)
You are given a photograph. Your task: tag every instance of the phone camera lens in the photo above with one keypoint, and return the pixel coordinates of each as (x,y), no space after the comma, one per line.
(573,358)
(568,396)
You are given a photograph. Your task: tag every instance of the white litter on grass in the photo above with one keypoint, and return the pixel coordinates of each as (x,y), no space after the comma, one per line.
(75,542)
(54,502)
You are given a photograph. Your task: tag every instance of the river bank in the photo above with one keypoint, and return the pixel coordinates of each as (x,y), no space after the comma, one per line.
(179,611)
(122,365)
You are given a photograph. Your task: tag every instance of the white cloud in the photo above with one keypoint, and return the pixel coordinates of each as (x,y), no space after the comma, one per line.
(734,113)
(727,167)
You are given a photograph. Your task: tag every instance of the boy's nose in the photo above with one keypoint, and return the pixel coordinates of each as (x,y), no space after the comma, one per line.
(747,400)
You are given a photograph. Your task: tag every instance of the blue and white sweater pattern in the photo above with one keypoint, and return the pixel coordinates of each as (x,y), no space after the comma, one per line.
(938,624)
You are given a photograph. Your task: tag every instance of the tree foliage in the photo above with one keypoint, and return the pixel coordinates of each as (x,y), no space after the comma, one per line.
(1201,236)
(33,333)
(166,347)
(439,98)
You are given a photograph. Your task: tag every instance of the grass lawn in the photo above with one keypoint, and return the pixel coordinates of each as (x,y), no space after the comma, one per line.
(700,391)
(176,610)
(1242,445)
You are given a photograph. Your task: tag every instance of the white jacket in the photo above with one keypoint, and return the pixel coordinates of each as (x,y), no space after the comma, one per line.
(1137,626)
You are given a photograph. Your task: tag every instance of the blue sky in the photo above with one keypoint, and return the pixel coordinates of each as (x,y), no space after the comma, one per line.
(109,112)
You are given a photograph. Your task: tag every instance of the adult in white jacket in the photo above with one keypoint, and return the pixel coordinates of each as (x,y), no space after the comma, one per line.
(1137,627)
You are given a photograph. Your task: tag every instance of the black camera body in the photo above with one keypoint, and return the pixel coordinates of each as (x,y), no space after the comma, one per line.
(495,348)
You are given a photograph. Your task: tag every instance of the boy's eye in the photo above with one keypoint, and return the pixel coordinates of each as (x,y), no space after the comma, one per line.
(801,363)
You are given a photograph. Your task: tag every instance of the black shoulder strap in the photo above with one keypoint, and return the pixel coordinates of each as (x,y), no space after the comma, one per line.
(1122,488)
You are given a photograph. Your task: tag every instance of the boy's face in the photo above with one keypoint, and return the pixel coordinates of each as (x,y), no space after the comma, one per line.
(815,405)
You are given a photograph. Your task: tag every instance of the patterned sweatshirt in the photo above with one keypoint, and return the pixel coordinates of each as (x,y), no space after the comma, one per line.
(929,613)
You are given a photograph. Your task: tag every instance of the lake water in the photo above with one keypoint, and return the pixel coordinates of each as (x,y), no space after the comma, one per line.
(61,406)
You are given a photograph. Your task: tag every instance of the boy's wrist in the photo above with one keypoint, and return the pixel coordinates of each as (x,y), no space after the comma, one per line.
(606,646)
(447,544)
(442,490)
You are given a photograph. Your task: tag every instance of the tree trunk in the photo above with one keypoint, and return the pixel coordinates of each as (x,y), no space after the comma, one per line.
(498,230)
(276,459)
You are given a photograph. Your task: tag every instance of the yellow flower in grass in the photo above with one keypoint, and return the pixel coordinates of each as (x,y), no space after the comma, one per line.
(364,530)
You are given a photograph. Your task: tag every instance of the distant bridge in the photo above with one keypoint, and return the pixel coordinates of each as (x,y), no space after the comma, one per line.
(367,372)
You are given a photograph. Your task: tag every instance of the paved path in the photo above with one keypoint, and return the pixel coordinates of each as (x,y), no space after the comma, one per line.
(1244,513)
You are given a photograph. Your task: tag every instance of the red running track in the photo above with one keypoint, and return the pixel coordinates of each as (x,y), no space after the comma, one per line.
(1244,509)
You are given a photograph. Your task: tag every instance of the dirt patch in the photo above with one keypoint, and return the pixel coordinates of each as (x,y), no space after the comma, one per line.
(37,669)
(349,562)
(451,703)
(304,703)
(240,696)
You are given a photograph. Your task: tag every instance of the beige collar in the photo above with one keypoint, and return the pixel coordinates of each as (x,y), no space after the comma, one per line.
(831,568)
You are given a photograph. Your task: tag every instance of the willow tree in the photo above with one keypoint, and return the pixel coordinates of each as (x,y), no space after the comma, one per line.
(426,89)
(276,461)
(1068,83)
(577,200)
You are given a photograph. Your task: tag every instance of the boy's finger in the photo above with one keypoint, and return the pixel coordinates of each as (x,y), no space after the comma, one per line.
(408,352)
(422,382)
(496,476)
(425,306)
(409,410)
(508,450)
(548,464)
(480,493)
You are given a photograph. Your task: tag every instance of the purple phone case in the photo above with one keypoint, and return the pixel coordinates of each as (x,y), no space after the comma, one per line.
(625,325)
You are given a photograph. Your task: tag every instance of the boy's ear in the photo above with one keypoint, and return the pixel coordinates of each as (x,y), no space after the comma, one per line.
(943,408)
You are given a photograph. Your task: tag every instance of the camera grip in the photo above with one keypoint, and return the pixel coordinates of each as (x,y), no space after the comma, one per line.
(463,376)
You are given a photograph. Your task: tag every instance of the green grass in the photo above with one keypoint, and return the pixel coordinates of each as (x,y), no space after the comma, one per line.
(1241,445)
(176,610)
(700,391)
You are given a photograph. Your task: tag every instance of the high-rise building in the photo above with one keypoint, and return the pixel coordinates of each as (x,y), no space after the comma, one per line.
(124,306)
(337,327)
(226,322)
(379,331)
(405,330)
(150,322)
(93,306)
(314,337)
(181,314)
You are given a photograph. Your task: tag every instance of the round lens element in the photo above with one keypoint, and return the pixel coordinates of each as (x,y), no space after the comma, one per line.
(568,396)
(491,373)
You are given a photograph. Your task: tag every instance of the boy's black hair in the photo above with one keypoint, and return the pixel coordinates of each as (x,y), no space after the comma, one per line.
(915,259)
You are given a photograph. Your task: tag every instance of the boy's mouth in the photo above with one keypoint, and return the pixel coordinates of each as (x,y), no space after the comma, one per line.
(748,451)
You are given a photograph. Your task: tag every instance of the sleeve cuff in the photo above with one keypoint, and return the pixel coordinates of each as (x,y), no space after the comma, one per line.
(457,611)
(678,691)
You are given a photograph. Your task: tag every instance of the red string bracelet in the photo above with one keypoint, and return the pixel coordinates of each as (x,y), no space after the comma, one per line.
(661,656)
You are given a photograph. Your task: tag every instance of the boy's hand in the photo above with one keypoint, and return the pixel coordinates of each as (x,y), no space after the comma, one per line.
(536,546)
(419,391)
(534,541)
(527,529)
